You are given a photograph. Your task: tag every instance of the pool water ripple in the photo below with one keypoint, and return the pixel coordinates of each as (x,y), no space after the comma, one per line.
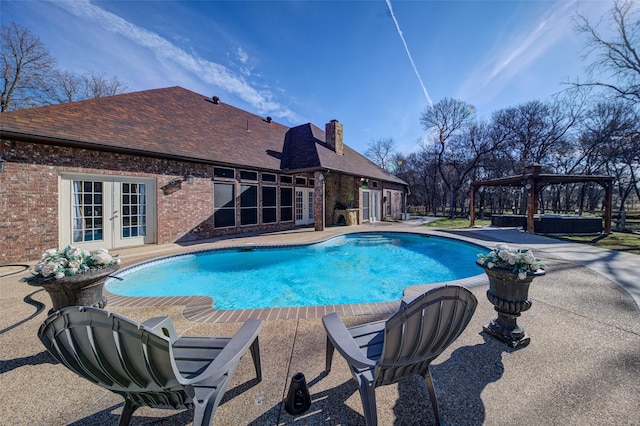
(349,269)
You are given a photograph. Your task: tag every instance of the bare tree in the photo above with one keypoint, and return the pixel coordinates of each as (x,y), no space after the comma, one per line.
(97,85)
(447,120)
(26,63)
(30,76)
(62,87)
(535,131)
(381,152)
(617,58)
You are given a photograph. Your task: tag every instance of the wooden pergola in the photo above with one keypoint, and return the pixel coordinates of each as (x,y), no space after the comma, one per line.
(534,181)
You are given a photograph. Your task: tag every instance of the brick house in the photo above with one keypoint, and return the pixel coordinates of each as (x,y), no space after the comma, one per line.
(170,165)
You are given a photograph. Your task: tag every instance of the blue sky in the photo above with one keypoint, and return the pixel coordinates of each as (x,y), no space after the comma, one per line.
(373,65)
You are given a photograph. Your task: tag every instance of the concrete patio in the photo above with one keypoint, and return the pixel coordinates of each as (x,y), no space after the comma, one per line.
(581,368)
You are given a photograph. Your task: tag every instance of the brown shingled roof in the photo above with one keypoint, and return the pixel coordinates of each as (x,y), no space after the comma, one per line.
(176,122)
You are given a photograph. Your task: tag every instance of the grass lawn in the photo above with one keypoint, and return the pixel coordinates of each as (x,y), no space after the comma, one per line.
(621,241)
(447,223)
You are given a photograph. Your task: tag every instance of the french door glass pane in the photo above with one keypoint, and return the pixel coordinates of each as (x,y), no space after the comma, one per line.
(87,211)
(365,206)
(299,205)
(134,210)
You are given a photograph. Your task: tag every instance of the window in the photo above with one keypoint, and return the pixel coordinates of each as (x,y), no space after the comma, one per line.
(299,205)
(87,211)
(247,175)
(366,214)
(248,204)
(388,203)
(374,184)
(286,179)
(224,206)
(301,181)
(269,204)
(220,172)
(134,211)
(312,182)
(310,204)
(286,204)
(269,177)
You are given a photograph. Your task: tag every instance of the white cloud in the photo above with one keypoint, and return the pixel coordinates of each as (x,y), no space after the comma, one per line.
(166,52)
(517,53)
(242,56)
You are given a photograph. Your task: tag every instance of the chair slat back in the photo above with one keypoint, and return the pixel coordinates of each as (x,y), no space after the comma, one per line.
(422,330)
(110,350)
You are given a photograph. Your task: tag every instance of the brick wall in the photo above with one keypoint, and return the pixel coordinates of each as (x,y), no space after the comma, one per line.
(29,196)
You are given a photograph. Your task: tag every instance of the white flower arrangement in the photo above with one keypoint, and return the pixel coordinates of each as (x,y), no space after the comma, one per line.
(71,261)
(518,261)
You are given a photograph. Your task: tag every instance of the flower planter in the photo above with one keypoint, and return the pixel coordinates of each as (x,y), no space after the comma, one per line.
(77,290)
(510,297)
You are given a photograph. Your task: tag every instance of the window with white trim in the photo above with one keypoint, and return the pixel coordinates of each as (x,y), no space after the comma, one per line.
(248,175)
(269,204)
(269,177)
(286,204)
(222,172)
(224,204)
(248,204)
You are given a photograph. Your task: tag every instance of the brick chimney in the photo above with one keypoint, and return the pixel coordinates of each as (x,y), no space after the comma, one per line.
(334,136)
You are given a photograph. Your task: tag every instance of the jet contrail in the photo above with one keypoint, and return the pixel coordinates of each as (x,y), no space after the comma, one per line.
(406,48)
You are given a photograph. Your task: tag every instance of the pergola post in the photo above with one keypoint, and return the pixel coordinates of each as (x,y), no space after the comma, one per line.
(533,180)
(531,174)
(531,203)
(472,211)
(608,201)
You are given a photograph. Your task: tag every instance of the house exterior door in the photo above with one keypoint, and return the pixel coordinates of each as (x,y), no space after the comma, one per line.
(375,206)
(105,211)
(304,206)
(371,206)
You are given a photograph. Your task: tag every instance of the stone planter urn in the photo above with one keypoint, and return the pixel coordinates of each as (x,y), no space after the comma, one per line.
(510,297)
(77,290)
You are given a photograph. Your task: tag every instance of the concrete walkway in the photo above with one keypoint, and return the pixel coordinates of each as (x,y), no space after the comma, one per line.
(581,368)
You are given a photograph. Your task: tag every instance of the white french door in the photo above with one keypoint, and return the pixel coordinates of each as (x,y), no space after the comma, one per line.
(105,211)
(304,206)
(375,206)
(371,206)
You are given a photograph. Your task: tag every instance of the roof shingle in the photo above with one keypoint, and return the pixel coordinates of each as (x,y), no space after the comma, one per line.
(177,122)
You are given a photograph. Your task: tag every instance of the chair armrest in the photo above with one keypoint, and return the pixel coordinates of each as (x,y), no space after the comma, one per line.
(232,352)
(406,300)
(342,340)
(163,325)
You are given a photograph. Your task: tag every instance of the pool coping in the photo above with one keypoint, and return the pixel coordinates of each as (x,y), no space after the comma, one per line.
(200,308)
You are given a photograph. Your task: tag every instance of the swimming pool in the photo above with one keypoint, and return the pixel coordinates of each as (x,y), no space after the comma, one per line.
(349,269)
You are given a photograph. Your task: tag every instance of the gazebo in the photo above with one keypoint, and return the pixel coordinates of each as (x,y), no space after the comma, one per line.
(533,180)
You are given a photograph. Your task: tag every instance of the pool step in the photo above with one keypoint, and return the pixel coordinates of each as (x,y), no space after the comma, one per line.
(373,239)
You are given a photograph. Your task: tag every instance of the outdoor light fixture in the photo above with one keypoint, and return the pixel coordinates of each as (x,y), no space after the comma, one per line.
(2,161)
(190,179)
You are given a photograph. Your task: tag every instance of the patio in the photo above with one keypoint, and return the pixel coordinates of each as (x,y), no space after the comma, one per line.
(582,366)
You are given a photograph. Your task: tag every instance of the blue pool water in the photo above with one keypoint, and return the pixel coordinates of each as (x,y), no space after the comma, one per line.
(355,268)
